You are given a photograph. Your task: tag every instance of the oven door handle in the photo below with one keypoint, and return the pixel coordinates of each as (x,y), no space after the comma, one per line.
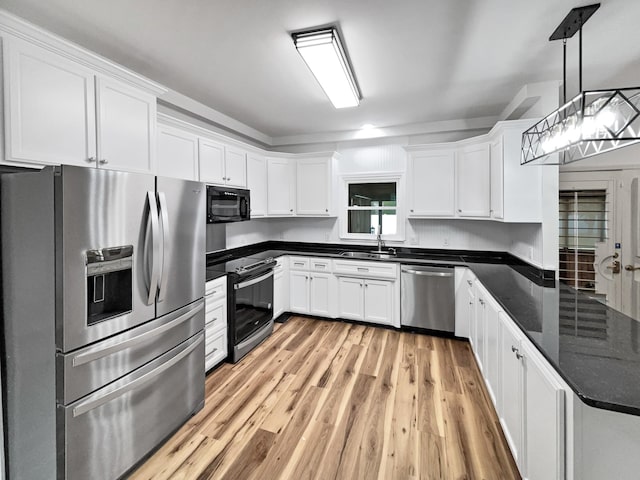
(93,403)
(253,281)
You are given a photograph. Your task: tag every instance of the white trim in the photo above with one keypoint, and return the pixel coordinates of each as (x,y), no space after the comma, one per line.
(376,177)
(11,25)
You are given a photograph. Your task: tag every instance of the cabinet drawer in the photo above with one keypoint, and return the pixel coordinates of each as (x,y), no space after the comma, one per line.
(320,264)
(214,340)
(365,269)
(216,314)
(217,288)
(299,263)
(215,349)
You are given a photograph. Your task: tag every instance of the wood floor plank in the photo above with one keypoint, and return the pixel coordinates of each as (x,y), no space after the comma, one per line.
(337,400)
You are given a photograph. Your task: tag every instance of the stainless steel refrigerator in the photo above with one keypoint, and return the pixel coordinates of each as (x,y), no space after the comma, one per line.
(103,278)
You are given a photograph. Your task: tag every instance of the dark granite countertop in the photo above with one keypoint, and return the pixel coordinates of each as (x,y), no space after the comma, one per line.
(594,348)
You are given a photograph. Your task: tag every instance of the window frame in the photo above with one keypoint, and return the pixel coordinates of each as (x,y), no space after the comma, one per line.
(390,177)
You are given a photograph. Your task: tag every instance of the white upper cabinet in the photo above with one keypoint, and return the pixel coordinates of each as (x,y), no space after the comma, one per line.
(431,180)
(177,153)
(235,166)
(50,107)
(222,165)
(497,178)
(281,181)
(211,158)
(126,127)
(313,184)
(61,112)
(257,183)
(521,184)
(473,181)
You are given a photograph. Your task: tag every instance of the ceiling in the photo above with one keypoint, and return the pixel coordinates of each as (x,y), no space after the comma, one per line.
(416,61)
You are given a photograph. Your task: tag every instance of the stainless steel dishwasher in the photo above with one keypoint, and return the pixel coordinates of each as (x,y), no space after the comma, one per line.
(427,298)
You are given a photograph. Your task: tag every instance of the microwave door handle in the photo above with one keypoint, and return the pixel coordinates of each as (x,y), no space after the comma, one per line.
(166,245)
(153,232)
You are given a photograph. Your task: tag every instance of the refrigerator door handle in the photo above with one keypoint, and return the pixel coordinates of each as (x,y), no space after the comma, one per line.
(166,245)
(153,225)
(94,403)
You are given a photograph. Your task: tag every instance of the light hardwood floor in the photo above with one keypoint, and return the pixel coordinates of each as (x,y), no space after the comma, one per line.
(331,400)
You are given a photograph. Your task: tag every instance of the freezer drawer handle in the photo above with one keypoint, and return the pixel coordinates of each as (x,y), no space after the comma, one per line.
(427,273)
(166,246)
(152,229)
(92,355)
(248,283)
(147,377)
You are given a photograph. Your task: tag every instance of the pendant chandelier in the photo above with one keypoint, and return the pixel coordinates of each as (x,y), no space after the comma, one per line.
(593,122)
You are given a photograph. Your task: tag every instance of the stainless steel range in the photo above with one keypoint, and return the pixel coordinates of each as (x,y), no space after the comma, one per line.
(249,302)
(103,284)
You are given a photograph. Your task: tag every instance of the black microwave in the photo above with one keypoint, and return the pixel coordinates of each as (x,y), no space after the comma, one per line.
(227,204)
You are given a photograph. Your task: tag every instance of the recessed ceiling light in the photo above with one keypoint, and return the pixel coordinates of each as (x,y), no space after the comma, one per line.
(325,56)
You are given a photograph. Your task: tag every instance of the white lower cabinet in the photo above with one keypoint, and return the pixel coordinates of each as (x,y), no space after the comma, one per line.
(528,394)
(351,298)
(281,286)
(544,418)
(319,294)
(378,301)
(299,291)
(215,322)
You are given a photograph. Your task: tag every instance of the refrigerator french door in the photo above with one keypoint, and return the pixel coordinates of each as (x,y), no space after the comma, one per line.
(103,283)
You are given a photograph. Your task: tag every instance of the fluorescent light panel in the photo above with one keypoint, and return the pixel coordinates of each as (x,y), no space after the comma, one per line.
(323,53)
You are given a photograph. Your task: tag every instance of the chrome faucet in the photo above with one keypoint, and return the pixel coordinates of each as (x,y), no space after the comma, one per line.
(381,244)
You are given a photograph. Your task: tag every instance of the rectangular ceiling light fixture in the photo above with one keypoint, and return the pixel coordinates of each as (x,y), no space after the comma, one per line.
(325,56)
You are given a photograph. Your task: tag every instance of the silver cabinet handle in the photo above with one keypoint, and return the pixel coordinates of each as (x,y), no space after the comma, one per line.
(100,352)
(91,159)
(469,282)
(481,301)
(459,210)
(104,161)
(363,269)
(291,210)
(166,245)
(152,230)
(519,356)
(412,210)
(228,178)
(91,404)
(326,210)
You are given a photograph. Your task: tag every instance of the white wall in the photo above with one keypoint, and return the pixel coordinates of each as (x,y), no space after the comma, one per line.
(240,234)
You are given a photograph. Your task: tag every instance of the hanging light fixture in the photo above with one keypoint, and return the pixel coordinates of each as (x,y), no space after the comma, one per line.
(322,51)
(593,122)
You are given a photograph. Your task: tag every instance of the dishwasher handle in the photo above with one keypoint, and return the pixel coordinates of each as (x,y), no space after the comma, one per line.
(426,273)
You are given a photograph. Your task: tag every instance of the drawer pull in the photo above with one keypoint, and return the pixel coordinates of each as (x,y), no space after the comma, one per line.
(362,269)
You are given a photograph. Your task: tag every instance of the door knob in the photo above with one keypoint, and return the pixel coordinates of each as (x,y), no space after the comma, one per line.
(631,268)
(615,267)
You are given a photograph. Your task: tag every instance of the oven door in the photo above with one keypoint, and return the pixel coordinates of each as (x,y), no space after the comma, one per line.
(253,305)
(227,205)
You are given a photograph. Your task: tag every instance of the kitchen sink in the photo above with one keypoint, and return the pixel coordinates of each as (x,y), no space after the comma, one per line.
(367,255)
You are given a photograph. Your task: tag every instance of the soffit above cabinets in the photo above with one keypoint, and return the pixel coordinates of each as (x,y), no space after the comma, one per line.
(418,63)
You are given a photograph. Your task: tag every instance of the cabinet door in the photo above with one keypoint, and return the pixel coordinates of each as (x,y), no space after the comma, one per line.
(280,186)
(511,402)
(177,153)
(257,184)
(126,127)
(497,179)
(473,181)
(320,294)
(491,349)
(278,294)
(544,419)
(472,317)
(463,301)
(235,161)
(299,288)
(351,298)
(50,107)
(313,186)
(432,184)
(479,331)
(378,301)
(211,158)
